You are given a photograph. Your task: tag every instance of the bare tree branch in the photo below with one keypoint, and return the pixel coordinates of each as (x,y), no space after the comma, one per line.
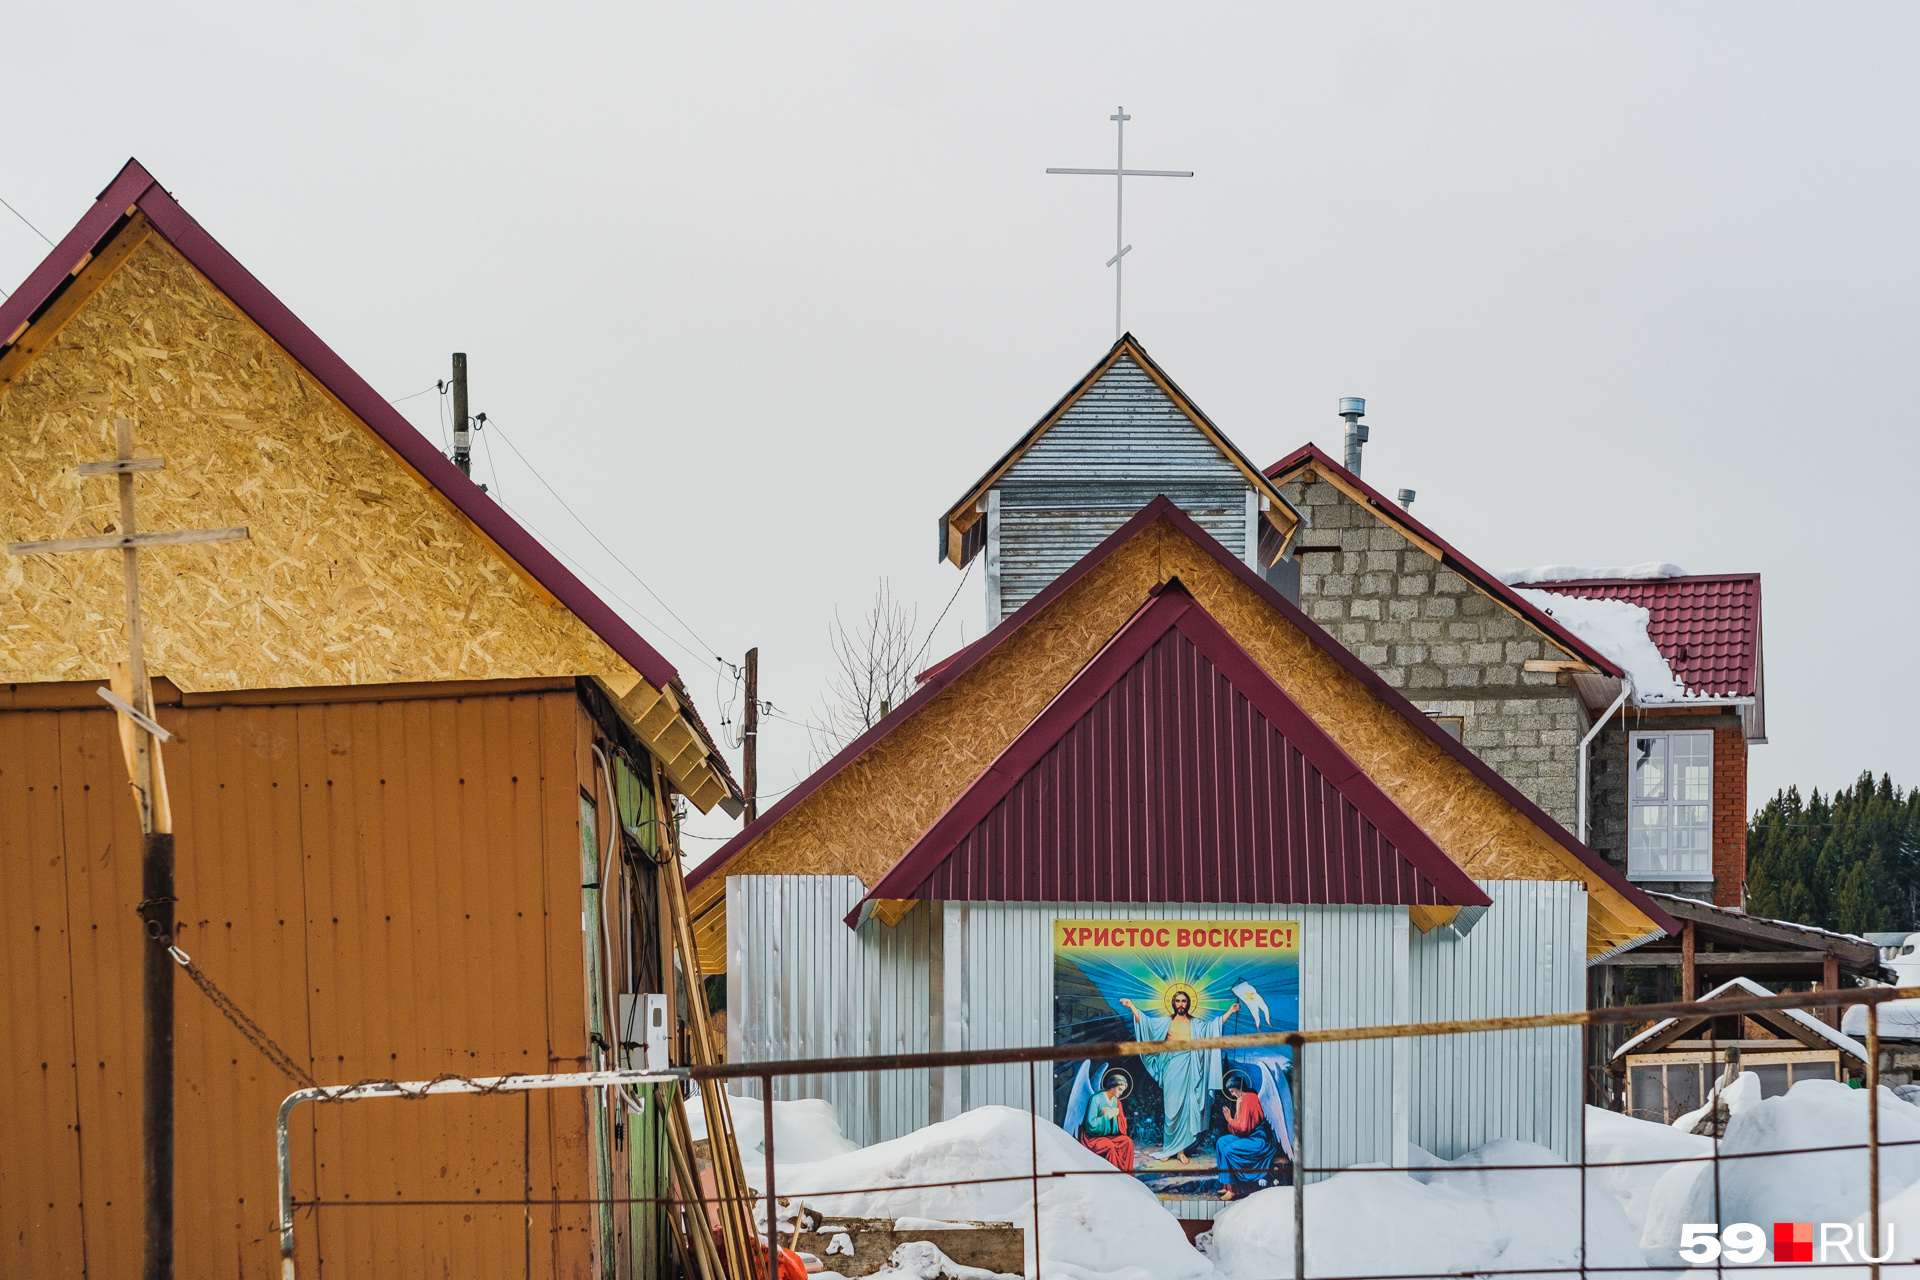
(873,661)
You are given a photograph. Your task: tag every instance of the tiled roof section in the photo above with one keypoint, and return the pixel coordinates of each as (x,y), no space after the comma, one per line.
(1706,626)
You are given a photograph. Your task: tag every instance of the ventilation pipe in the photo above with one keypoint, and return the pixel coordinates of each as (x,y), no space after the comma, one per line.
(1406,499)
(1353,408)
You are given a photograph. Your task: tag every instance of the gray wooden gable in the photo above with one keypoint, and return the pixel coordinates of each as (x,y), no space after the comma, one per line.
(1120,445)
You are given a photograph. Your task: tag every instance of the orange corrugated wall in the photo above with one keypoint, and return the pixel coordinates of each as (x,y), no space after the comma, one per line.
(391,889)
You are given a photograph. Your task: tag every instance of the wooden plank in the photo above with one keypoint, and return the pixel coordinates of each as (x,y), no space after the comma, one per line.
(120,542)
(1640,958)
(33,338)
(1571,667)
(120,466)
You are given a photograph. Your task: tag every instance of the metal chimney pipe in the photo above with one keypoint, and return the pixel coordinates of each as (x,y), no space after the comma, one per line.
(1406,499)
(1353,408)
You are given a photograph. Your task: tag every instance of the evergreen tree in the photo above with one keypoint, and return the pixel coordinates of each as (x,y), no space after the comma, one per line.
(1849,862)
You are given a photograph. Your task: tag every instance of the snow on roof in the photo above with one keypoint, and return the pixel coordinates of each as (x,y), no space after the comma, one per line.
(1619,630)
(1706,626)
(1568,572)
(1735,913)
(1747,986)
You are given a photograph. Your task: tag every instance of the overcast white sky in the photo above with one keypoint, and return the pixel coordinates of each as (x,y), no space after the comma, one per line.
(761,288)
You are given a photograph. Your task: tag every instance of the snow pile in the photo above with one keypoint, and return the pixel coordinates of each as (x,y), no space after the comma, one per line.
(1104,1226)
(922,1260)
(804,1130)
(1449,1217)
(1573,573)
(1612,1138)
(1899,1020)
(1818,1186)
(1619,631)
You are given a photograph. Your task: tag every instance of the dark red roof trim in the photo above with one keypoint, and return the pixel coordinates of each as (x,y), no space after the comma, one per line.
(1163,508)
(1173,769)
(1707,626)
(1450,556)
(135,186)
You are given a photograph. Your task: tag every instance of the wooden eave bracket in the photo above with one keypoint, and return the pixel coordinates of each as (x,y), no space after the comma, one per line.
(86,278)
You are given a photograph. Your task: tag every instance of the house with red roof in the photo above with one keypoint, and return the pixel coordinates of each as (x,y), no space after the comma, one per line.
(1584,694)
(419,786)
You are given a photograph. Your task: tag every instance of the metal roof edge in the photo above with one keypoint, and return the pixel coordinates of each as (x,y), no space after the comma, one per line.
(1451,556)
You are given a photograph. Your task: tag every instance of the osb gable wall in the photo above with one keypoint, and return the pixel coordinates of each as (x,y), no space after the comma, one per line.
(356,572)
(860,821)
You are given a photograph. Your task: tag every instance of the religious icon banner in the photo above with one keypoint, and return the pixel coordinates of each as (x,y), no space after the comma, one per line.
(1205,1125)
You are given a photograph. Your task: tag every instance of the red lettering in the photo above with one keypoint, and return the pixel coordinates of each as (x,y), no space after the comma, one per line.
(1099,937)
(1161,940)
(1182,937)
(1131,932)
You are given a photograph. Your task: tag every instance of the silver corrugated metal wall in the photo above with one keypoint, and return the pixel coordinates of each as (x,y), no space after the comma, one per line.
(1527,955)
(1123,443)
(800,984)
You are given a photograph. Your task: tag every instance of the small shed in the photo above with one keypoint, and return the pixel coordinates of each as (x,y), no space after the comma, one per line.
(1670,1067)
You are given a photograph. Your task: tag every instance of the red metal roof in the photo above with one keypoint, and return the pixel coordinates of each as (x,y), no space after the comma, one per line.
(1394,513)
(1706,626)
(1173,769)
(134,188)
(1162,508)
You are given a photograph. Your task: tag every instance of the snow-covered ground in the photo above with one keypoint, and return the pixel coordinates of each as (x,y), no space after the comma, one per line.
(1444,1218)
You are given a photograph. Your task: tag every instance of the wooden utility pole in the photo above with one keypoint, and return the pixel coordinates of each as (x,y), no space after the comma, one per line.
(750,738)
(462,434)
(139,731)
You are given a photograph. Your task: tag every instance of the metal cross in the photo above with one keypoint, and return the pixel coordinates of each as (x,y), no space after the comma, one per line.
(1120,173)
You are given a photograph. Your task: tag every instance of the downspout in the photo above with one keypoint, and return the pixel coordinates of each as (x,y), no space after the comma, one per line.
(1626,689)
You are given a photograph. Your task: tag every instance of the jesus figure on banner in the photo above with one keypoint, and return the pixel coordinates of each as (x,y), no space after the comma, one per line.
(1187,1080)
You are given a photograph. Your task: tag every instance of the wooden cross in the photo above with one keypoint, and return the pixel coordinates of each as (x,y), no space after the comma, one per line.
(137,708)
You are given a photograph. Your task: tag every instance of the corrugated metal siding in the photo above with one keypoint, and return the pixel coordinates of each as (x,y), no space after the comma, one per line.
(1120,445)
(1527,955)
(998,958)
(802,984)
(392,890)
(1173,787)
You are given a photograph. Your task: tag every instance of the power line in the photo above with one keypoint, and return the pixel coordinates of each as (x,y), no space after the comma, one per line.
(508,440)
(23,217)
(415,396)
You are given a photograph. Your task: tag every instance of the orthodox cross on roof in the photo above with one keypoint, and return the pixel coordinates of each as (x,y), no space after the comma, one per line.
(1120,173)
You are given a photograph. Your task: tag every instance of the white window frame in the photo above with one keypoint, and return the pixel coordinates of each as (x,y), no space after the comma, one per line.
(1666,804)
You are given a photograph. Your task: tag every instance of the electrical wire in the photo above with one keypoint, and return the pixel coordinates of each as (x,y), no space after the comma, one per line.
(508,441)
(23,217)
(935,628)
(415,396)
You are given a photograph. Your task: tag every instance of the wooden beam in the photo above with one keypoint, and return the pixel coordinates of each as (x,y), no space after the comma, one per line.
(1830,981)
(1641,958)
(119,466)
(1555,665)
(92,273)
(123,542)
(1688,986)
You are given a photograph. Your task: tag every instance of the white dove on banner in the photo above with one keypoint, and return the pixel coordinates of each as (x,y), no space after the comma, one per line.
(1256,1005)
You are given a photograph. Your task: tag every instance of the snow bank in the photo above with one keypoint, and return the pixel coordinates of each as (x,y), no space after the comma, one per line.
(1819,1186)
(1619,631)
(1449,1217)
(1899,1020)
(1103,1226)
(1574,573)
(1612,1137)
(804,1130)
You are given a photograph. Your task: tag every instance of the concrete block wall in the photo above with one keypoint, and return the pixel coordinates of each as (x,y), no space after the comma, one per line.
(1452,648)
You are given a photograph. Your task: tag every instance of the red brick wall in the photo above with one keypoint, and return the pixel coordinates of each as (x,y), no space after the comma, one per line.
(1729,815)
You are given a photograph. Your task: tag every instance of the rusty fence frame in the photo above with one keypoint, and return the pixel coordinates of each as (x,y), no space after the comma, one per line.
(767,1072)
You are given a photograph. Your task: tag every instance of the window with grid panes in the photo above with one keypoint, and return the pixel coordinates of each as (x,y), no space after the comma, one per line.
(1670,823)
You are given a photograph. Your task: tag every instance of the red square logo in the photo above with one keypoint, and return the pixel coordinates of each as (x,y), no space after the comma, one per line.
(1793,1242)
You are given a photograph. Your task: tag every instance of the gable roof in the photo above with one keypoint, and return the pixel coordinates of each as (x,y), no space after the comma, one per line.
(1794,1024)
(1173,769)
(133,206)
(1595,870)
(1707,626)
(1312,455)
(964,517)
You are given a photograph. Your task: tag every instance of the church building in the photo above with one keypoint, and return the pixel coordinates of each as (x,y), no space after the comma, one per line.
(1159,800)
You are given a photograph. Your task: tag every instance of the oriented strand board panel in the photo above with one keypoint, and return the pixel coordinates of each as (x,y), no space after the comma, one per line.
(357,572)
(864,818)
